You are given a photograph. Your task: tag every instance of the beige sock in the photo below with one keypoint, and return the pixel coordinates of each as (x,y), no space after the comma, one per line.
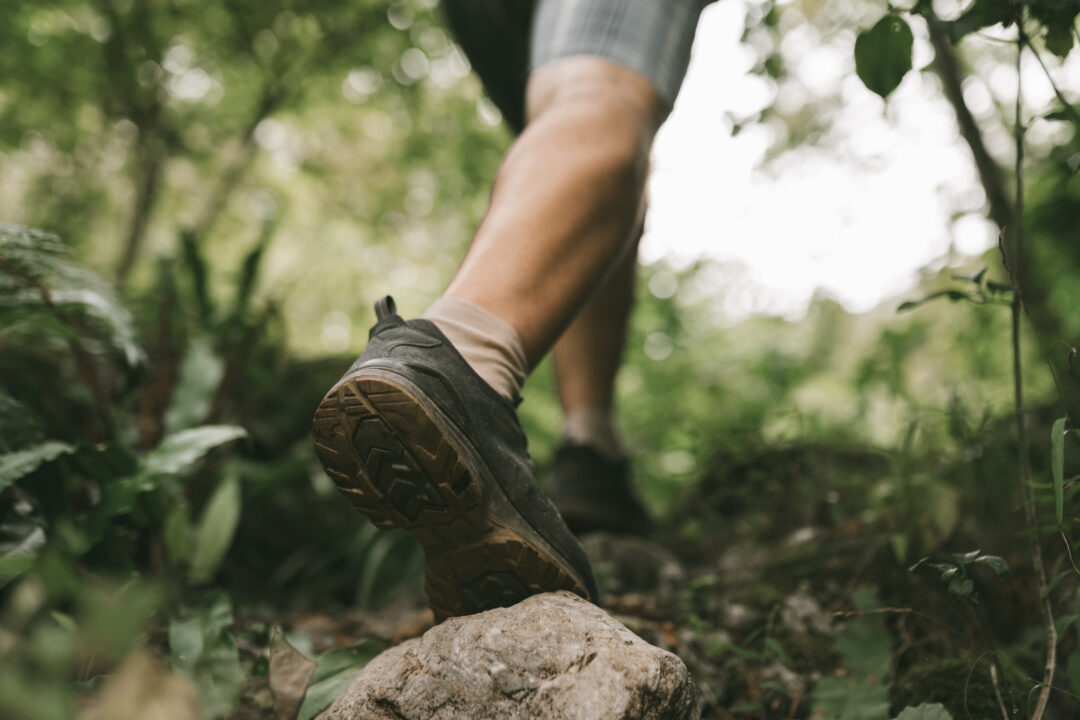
(488,343)
(596,428)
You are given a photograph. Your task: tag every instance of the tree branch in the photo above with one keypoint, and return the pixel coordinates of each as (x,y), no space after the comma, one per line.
(1070,110)
(1034,295)
(947,68)
(1015,266)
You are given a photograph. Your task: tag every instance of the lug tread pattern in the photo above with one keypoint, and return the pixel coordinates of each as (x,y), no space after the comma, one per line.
(388,456)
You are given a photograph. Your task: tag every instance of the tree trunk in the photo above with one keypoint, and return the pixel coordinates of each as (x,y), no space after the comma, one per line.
(1034,293)
(151,162)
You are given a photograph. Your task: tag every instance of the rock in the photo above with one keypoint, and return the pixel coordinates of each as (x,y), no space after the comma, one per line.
(550,656)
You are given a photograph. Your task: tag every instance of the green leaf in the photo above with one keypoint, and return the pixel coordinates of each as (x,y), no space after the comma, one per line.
(176,534)
(113,617)
(953,295)
(899,543)
(919,565)
(1057,464)
(982,13)
(849,698)
(97,300)
(883,54)
(1074,672)
(18,427)
(1059,39)
(41,262)
(1064,622)
(203,648)
(965,559)
(995,563)
(336,671)
(200,374)
(777,648)
(21,463)
(1056,580)
(17,557)
(176,455)
(216,529)
(105,463)
(179,452)
(926,711)
(374,565)
(741,651)
(1059,115)
(64,620)
(974,279)
(961,588)
(865,646)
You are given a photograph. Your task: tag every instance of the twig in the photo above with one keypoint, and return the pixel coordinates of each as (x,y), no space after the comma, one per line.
(1043,320)
(947,67)
(997,691)
(1068,106)
(876,611)
(1068,551)
(967,683)
(1015,269)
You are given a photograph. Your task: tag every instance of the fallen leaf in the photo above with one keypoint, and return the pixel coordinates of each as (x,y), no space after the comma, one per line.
(142,689)
(290,673)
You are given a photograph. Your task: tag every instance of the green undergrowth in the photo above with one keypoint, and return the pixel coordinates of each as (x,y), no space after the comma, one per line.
(158,495)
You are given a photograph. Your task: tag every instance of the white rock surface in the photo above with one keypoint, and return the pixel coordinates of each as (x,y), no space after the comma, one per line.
(551,656)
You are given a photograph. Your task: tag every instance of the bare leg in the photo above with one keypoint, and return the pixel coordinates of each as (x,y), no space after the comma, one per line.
(588,354)
(565,201)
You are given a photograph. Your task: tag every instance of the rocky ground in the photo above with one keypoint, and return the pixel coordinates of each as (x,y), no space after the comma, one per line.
(789,605)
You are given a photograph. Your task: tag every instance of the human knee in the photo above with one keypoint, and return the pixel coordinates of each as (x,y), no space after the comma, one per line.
(615,110)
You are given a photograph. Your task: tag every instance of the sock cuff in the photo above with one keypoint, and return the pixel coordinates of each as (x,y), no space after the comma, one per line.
(597,428)
(487,342)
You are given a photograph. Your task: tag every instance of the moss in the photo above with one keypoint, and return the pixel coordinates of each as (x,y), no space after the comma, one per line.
(949,681)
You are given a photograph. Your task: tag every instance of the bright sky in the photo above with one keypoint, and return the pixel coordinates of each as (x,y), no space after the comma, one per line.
(857,218)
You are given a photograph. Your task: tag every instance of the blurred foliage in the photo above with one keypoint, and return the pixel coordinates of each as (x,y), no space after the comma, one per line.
(181,126)
(234,184)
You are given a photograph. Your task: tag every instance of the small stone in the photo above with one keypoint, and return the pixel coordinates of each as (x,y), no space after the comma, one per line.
(551,656)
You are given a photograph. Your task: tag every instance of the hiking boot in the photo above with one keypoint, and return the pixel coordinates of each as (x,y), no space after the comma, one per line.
(417,440)
(595,493)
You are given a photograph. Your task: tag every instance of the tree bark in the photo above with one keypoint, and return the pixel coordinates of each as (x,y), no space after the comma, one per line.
(990,174)
(1058,353)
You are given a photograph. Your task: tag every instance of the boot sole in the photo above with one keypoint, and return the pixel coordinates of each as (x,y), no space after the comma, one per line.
(400,461)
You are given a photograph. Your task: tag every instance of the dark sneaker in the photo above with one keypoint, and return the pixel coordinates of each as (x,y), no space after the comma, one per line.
(417,440)
(595,493)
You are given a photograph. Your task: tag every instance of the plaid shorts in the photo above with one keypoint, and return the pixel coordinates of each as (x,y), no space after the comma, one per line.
(506,39)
